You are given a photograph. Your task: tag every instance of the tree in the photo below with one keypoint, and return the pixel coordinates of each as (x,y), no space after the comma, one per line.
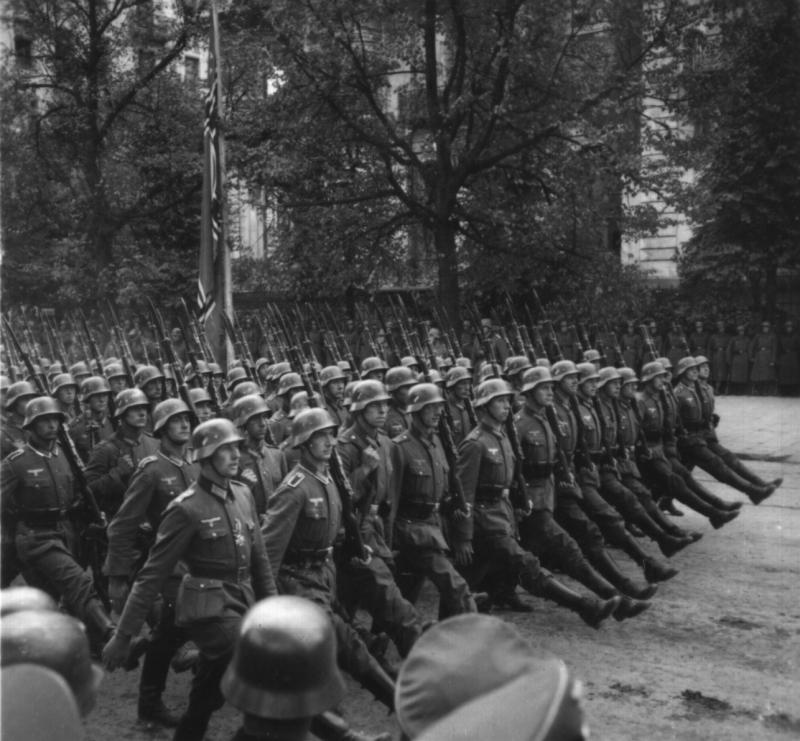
(741,90)
(100,152)
(483,123)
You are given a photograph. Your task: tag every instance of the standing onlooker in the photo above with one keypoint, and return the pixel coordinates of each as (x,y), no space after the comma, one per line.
(764,354)
(789,360)
(718,343)
(738,358)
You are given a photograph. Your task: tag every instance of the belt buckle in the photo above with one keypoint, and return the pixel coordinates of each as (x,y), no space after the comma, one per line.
(505,492)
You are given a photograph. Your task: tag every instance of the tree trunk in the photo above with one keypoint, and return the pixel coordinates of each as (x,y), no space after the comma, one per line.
(444,238)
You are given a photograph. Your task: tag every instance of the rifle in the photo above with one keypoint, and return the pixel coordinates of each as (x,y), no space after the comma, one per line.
(172,359)
(648,341)
(239,346)
(520,344)
(599,345)
(615,346)
(365,328)
(123,348)
(353,542)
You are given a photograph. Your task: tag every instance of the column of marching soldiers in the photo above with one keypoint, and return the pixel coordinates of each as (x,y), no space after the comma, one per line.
(176,496)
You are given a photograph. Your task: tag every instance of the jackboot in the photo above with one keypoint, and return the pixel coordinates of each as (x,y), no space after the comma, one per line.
(378,683)
(708,496)
(720,518)
(734,463)
(605,564)
(191,728)
(592,611)
(158,714)
(669,545)
(330,726)
(153,679)
(761,493)
(629,608)
(667,505)
(654,570)
(591,579)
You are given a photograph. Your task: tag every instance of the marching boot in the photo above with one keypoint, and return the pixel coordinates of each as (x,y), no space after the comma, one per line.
(591,579)
(667,505)
(721,517)
(761,493)
(654,570)
(592,611)
(378,683)
(606,565)
(153,679)
(709,497)
(668,544)
(191,728)
(629,608)
(734,463)
(329,726)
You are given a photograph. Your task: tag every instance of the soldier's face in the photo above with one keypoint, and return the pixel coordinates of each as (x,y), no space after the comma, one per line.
(430,415)
(117,384)
(461,390)
(499,408)
(589,388)
(690,375)
(704,371)
(335,390)
(375,413)
(376,375)
(66,395)
(543,394)
(569,385)
(629,391)
(178,429)
(226,460)
(46,428)
(401,395)
(153,389)
(204,411)
(612,389)
(98,403)
(256,427)
(136,417)
(320,445)
(658,382)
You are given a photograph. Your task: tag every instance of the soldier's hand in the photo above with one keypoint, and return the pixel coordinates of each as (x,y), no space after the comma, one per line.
(117,593)
(116,651)
(371,458)
(462,553)
(125,465)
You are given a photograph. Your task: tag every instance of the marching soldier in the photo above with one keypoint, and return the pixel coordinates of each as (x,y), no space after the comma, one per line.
(64,390)
(38,495)
(213,529)
(458,383)
(332,381)
(115,375)
(280,426)
(94,425)
(203,404)
(158,480)
(763,356)
(373,369)
(303,522)
(13,435)
(151,382)
(398,382)
(485,543)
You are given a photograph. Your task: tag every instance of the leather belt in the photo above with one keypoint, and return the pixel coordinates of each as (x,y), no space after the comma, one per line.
(490,494)
(417,510)
(240,574)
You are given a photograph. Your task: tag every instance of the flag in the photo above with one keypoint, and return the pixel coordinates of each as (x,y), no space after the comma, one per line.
(213,282)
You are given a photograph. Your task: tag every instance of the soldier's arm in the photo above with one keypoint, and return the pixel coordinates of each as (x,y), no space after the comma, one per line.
(105,476)
(357,467)
(175,533)
(124,528)
(9,481)
(468,466)
(260,567)
(283,510)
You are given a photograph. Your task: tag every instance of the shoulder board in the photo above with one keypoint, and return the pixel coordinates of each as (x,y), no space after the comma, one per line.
(294,479)
(16,454)
(347,436)
(403,437)
(474,434)
(146,462)
(182,497)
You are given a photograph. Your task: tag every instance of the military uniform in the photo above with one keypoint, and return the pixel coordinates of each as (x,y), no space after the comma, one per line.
(372,585)
(111,465)
(38,493)
(213,529)
(262,469)
(87,431)
(738,356)
(280,427)
(420,485)
(397,420)
(337,411)
(12,436)
(460,417)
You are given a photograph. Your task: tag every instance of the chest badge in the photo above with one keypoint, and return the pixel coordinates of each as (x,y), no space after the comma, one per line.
(210,521)
(35,471)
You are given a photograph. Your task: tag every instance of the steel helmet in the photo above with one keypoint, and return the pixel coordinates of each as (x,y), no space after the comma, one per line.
(348,393)
(247,407)
(494,388)
(114,370)
(591,356)
(146,373)
(345,366)
(55,368)
(329,374)
(487,371)
(515,364)
(56,641)
(409,361)
(628,376)
(399,376)
(562,369)
(666,363)
(422,395)
(435,377)
(372,363)
(215,370)
(244,388)
(587,372)
(534,377)
(5,382)
(543,363)
(129,398)
(19,390)
(367,392)
(42,406)
(289,383)
(94,385)
(23,597)
(189,371)
(685,364)
(62,380)
(278,370)
(109,360)
(455,375)
(79,369)
(651,370)
(299,401)
(284,663)
(607,374)
(464,363)
(260,363)
(211,435)
(309,421)
(200,396)
(165,410)
(235,375)
(702,360)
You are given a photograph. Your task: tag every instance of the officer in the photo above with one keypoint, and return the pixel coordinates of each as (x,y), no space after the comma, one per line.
(94,424)
(284,676)
(158,480)
(373,368)
(656,467)
(539,532)
(280,425)
(13,436)
(262,467)
(421,488)
(694,447)
(474,677)
(116,377)
(580,509)
(38,493)
(64,389)
(303,522)
(113,461)
(51,639)
(485,543)
(203,404)
(365,451)
(151,382)
(398,382)
(332,381)
(458,383)
(705,393)
(213,529)
(600,414)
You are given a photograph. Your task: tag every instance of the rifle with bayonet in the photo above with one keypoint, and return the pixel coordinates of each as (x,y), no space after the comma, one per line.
(123,348)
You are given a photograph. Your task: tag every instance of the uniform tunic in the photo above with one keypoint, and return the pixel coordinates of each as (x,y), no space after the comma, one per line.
(718,356)
(764,354)
(12,436)
(280,427)
(262,469)
(789,359)
(397,421)
(739,359)
(460,416)
(87,431)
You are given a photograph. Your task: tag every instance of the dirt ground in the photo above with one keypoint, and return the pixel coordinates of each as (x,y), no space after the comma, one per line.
(716,657)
